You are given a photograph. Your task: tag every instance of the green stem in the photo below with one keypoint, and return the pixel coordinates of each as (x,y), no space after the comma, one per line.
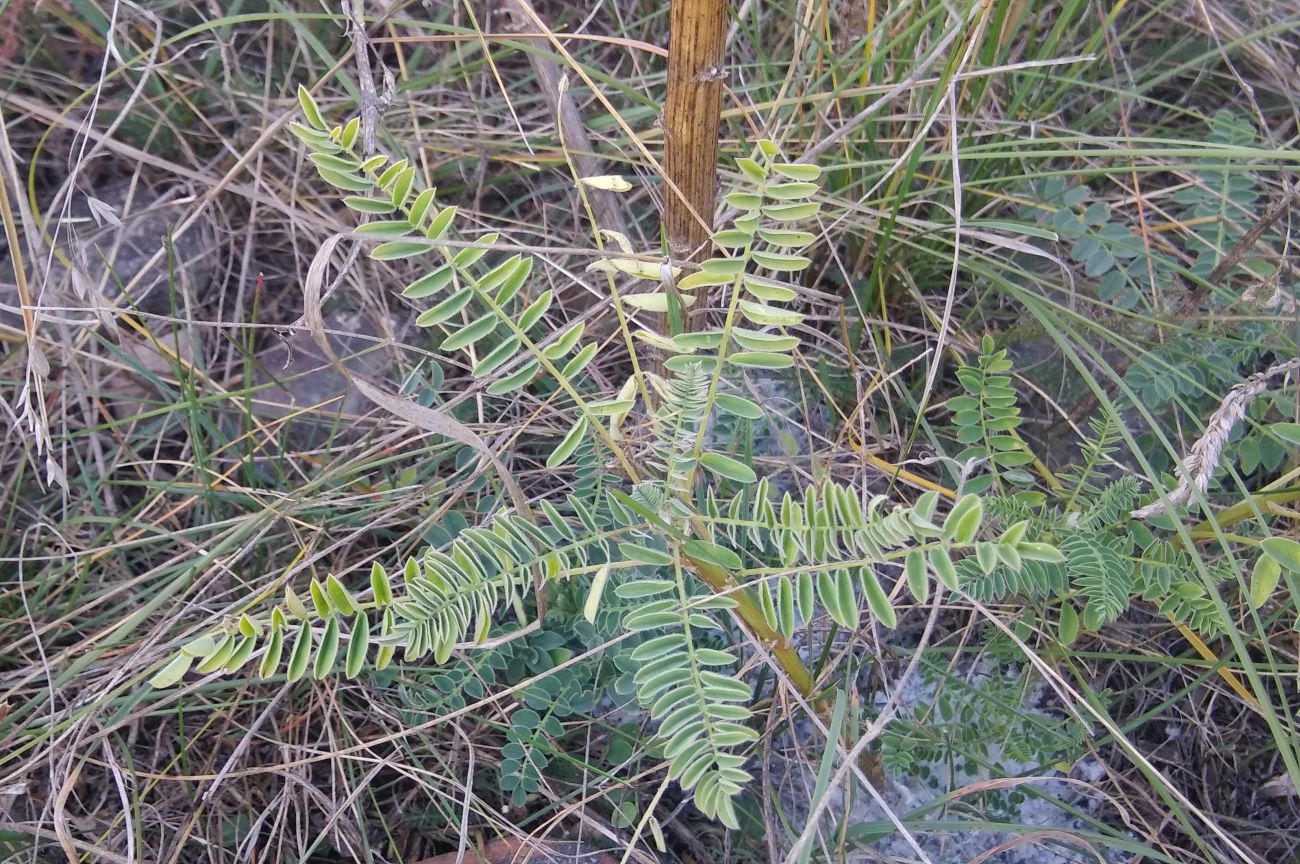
(751,615)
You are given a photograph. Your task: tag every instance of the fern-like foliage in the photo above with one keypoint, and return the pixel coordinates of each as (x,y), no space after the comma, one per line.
(658,539)
(480,302)
(702,708)
(683,407)
(986,417)
(1217,200)
(1220,195)
(448,596)
(1109,506)
(527,751)
(1162,578)
(979,720)
(1102,573)
(818,536)
(1084,479)
(1035,579)
(1105,566)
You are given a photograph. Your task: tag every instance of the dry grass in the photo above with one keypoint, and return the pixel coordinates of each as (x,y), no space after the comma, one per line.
(190,495)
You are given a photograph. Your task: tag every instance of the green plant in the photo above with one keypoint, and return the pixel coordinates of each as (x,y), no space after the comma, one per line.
(1212,207)
(674,548)
(984,718)
(1211,251)
(986,417)
(934,121)
(1109,558)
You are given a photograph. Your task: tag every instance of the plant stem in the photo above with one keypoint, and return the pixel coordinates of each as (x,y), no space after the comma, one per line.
(747,608)
(696,41)
(720,580)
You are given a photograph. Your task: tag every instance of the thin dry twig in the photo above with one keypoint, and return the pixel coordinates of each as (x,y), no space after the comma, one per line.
(371,105)
(518,17)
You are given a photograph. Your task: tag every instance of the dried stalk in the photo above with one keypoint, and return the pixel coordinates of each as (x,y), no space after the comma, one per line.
(519,17)
(696,41)
(1203,459)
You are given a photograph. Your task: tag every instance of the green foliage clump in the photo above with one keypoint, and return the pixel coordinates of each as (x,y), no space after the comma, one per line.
(986,417)
(673,566)
(1214,204)
(1108,559)
(978,725)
